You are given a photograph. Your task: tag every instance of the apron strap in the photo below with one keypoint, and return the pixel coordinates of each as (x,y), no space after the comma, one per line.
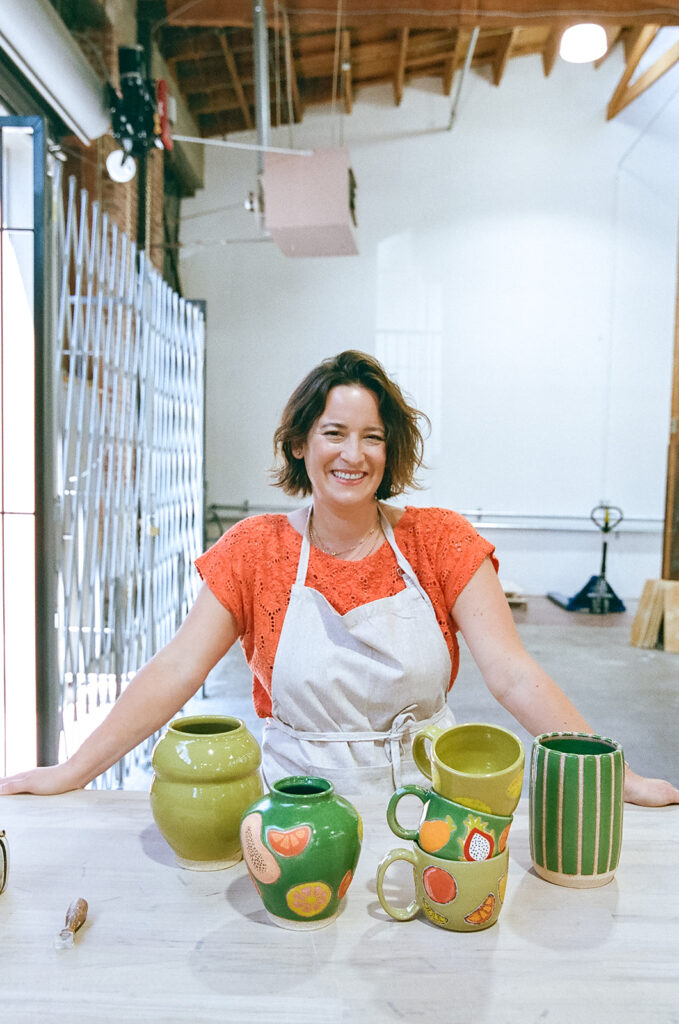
(402,726)
(405,568)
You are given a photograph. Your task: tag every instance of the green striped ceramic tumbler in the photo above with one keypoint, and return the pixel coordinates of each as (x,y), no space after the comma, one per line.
(576,808)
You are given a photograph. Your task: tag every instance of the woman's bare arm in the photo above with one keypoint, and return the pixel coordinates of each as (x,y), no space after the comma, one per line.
(519,684)
(157,692)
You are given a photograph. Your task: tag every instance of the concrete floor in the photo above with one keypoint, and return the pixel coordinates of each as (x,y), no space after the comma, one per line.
(624,692)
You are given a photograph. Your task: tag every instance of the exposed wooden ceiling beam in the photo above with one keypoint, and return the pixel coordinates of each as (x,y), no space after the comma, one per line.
(309,15)
(642,43)
(235,80)
(644,81)
(502,55)
(454,63)
(291,71)
(550,50)
(400,72)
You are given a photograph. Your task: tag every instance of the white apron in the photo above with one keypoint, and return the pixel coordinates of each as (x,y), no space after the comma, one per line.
(349,692)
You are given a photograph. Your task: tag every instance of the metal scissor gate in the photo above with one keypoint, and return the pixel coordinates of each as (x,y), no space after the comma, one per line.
(129,379)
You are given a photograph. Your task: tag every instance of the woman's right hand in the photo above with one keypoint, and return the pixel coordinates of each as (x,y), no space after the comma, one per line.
(57,778)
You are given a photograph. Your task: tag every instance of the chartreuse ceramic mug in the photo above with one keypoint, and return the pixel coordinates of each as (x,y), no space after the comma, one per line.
(576,808)
(4,861)
(476,764)
(462,896)
(450,830)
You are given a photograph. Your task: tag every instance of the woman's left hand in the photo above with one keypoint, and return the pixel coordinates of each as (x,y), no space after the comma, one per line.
(649,792)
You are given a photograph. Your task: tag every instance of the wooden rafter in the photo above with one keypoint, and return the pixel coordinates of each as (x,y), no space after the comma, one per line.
(211,53)
(642,43)
(550,50)
(454,63)
(235,79)
(502,55)
(400,72)
(291,71)
(661,66)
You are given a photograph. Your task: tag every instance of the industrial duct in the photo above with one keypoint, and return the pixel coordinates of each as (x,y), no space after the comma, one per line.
(36,40)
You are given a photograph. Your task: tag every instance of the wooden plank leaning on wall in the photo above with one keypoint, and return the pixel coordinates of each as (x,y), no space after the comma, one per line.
(670,561)
(656,623)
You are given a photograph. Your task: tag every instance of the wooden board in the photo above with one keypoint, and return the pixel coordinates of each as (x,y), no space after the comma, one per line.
(658,609)
(671,616)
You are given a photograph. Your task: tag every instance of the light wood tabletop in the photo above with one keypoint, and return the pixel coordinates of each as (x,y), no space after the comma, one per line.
(163,944)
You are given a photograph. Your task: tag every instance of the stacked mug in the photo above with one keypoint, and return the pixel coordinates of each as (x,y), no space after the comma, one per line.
(459,850)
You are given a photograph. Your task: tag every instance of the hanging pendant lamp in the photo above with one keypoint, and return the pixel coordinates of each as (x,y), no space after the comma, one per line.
(583,43)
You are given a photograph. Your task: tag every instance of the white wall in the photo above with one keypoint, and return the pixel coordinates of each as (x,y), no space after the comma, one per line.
(525,263)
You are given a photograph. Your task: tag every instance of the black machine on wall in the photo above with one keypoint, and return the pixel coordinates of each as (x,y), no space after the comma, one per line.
(597,596)
(139,114)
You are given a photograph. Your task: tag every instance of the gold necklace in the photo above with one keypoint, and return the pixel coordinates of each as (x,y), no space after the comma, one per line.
(345,551)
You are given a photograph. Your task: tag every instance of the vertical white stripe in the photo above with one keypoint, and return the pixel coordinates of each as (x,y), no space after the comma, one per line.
(544,808)
(581,795)
(595,869)
(614,783)
(559,820)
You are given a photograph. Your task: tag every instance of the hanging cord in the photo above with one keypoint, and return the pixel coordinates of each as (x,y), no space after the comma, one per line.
(289,70)
(336,69)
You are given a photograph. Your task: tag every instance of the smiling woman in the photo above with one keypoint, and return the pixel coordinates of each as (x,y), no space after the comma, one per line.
(347,610)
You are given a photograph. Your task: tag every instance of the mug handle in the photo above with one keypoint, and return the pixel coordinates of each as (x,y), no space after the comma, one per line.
(394,825)
(398,913)
(421,755)
(4,861)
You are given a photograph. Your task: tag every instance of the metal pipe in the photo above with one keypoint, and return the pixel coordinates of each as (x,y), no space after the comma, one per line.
(262,98)
(461,78)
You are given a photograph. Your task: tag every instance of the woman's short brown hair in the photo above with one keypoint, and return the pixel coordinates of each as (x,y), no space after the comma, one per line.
(404,440)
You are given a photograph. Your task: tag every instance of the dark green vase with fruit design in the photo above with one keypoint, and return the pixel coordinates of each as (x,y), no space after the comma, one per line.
(301,843)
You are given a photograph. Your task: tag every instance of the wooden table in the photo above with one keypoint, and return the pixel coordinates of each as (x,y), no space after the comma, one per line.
(165,944)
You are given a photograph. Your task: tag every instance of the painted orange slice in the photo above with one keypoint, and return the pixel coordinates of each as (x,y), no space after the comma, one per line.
(289,842)
(504,837)
(344,885)
(483,912)
(434,835)
(308,899)
(439,885)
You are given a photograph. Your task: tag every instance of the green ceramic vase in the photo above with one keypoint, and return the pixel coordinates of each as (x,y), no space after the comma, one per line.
(206,772)
(576,808)
(301,844)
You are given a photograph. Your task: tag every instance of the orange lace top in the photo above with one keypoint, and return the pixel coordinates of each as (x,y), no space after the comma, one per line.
(252,567)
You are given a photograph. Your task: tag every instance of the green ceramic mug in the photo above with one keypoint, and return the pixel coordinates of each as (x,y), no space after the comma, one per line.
(576,808)
(462,896)
(450,830)
(4,861)
(476,764)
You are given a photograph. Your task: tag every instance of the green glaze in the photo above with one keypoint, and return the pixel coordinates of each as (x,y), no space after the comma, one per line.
(471,835)
(301,843)
(461,896)
(206,772)
(576,808)
(474,764)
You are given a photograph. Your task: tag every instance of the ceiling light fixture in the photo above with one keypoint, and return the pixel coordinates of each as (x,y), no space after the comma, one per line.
(583,43)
